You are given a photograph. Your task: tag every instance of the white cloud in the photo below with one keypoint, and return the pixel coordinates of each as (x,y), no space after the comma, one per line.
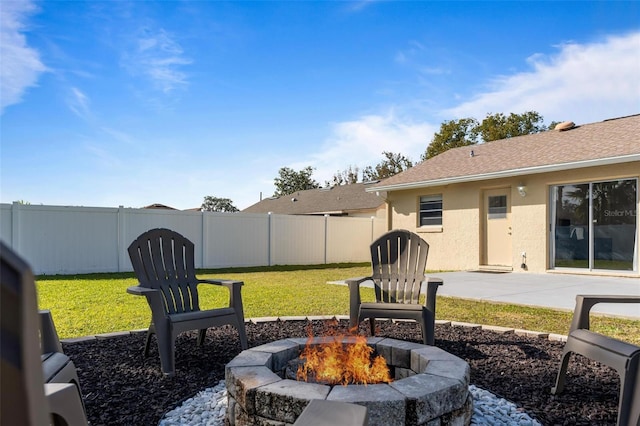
(361,142)
(583,83)
(156,55)
(78,103)
(21,65)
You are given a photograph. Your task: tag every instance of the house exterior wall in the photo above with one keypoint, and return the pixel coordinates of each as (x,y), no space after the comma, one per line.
(379,213)
(458,243)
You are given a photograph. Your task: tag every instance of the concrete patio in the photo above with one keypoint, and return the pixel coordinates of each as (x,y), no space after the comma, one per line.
(550,290)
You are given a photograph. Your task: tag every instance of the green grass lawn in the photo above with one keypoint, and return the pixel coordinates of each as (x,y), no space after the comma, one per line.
(98,303)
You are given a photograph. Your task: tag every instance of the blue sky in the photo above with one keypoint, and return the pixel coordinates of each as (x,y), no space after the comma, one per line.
(133,103)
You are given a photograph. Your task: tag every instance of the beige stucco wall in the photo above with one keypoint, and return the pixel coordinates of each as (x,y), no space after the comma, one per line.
(458,244)
(379,213)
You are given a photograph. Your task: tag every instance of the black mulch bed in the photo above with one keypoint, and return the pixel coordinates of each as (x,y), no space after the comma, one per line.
(121,387)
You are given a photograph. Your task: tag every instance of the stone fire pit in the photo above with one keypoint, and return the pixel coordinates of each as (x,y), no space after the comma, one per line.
(430,386)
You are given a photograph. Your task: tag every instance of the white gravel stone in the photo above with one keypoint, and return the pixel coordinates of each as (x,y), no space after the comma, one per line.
(208,408)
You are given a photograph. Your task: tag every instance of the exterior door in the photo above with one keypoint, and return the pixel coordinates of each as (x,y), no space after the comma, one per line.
(497,221)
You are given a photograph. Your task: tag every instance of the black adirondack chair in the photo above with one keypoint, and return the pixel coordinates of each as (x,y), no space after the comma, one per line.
(398,261)
(624,357)
(35,389)
(163,261)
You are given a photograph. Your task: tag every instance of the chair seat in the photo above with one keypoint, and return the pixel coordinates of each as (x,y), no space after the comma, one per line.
(198,315)
(53,363)
(604,342)
(392,307)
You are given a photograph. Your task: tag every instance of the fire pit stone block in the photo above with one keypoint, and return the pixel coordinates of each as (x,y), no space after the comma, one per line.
(456,369)
(282,351)
(286,399)
(242,383)
(422,356)
(385,405)
(430,396)
(396,352)
(251,358)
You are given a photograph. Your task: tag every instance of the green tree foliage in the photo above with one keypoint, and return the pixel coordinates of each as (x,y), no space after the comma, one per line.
(453,134)
(553,125)
(345,177)
(290,181)
(499,126)
(468,131)
(215,204)
(391,165)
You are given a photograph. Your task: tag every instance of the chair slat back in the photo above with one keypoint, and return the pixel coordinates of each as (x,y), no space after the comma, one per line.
(164,260)
(22,397)
(398,260)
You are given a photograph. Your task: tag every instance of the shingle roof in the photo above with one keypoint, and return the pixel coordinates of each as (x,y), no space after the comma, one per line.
(610,141)
(336,200)
(158,206)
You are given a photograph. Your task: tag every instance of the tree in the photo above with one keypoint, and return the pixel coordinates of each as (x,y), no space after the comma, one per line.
(215,204)
(453,134)
(553,125)
(290,181)
(391,165)
(499,126)
(468,131)
(344,177)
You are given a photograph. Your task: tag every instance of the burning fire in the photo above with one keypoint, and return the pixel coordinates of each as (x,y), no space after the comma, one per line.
(336,363)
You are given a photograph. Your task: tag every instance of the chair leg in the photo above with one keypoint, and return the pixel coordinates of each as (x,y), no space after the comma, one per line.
(166,348)
(428,328)
(372,326)
(629,404)
(559,387)
(202,333)
(242,333)
(147,343)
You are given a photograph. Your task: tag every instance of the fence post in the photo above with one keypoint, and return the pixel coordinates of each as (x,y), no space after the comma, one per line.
(326,237)
(205,240)
(121,243)
(269,230)
(16,208)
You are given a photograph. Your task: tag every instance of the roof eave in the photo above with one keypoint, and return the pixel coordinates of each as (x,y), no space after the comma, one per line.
(507,173)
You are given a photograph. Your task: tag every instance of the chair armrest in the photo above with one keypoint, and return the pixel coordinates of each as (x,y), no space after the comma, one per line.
(584,303)
(141,291)
(432,289)
(354,291)
(49,341)
(235,295)
(354,298)
(357,281)
(154,299)
(227,283)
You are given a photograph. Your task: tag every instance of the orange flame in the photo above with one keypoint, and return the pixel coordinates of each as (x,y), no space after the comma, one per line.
(336,363)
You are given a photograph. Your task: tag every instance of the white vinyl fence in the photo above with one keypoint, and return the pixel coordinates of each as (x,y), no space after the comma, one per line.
(77,240)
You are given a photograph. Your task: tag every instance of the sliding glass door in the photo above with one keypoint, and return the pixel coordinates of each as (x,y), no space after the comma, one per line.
(595,225)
